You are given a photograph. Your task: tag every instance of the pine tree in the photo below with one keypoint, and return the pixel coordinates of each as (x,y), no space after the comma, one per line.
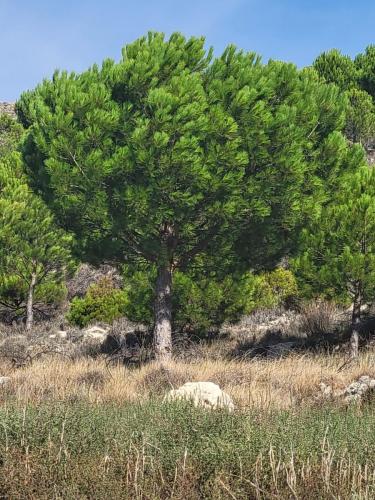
(164,157)
(365,64)
(360,123)
(338,250)
(33,252)
(355,78)
(337,68)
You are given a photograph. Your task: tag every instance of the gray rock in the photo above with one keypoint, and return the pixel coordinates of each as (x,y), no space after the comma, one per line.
(60,334)
(8,108)
(355,392)
(359,389)
(96,333)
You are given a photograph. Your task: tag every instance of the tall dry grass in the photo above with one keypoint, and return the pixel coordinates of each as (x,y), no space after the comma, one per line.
(279,384)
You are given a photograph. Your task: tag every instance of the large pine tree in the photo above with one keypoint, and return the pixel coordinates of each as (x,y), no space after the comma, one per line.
(165,156)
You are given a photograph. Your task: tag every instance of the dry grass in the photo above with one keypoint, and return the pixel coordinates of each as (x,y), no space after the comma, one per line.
(260,384)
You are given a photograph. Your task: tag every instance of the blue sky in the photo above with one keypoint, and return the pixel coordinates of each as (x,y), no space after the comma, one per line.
(38,36)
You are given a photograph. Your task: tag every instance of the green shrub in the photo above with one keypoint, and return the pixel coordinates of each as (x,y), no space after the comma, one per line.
(203,303)
(140,292)
(102,302)
(270,289)
(199,305)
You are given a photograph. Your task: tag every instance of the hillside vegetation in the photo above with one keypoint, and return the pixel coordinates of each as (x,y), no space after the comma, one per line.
(176,217)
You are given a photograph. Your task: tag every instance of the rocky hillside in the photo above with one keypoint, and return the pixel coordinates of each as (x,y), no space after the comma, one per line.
(7,108)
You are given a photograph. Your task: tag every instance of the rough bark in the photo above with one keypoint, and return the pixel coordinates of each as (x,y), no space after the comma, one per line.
(163,314)
(30,303)
(355,325)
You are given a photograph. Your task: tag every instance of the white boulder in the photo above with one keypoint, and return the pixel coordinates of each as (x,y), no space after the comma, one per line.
(4,381)
(204,394)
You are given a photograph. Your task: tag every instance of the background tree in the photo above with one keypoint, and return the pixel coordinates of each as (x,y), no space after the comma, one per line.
(34,254)
(164,158)
(355,78)
(338,249)
(365,64)
(360,123)
(337,68)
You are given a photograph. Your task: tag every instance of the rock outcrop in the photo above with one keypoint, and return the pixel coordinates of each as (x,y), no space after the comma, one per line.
(357,391)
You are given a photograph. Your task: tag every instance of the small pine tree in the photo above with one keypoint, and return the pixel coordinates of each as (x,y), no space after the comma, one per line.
(338,250)
(33,252)
(360,121)
(365,64)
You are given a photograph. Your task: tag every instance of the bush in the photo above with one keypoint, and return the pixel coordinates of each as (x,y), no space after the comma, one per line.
(102,302)
(319,318)
(199,304)
(270,289)
(140,291)
(203,303)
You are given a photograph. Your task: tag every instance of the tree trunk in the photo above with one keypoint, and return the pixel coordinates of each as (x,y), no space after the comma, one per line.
(356,320)
(29,305)
(163,314)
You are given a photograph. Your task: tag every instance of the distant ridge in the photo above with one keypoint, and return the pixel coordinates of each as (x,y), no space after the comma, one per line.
(8,108)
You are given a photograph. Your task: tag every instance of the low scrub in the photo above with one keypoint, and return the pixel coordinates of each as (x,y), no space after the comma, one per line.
(155,450)
(102,302)
(320,319)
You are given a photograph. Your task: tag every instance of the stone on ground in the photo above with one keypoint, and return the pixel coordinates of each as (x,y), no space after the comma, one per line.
(4,381)
(203,394)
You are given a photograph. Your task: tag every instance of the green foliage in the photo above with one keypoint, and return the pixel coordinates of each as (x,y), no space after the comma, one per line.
(360,122)
(102,302)
(11,133)
(139,286)
(365,64)
(357,79)
(30,244)
(337,68)
(165,156)
(337,257)
(14,291)
(269,289)
(200,304)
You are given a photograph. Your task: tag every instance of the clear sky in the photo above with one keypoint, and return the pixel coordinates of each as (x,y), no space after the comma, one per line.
(39,36)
